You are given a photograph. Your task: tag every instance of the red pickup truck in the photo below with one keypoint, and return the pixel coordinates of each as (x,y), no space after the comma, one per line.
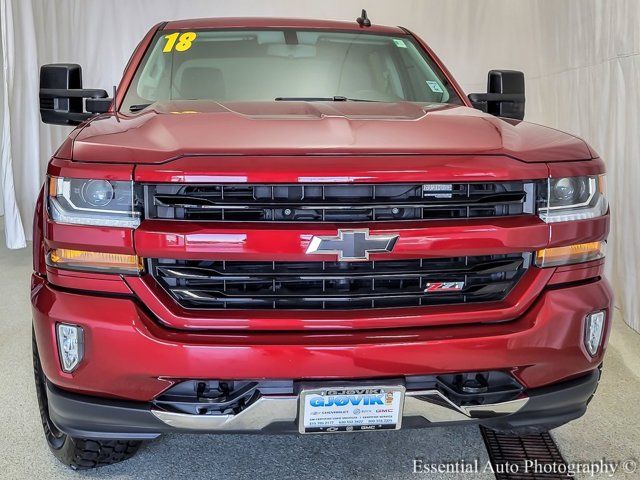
(281,225)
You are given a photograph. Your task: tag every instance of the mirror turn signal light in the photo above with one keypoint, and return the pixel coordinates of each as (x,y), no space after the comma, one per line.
(95,261)
(570,254)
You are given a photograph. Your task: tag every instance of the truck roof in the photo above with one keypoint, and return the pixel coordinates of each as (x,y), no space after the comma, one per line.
(261,22)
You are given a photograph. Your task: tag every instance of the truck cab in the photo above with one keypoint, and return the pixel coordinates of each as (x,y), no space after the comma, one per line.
(282,225)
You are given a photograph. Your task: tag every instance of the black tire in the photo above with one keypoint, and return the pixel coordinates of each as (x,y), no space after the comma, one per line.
(77,453)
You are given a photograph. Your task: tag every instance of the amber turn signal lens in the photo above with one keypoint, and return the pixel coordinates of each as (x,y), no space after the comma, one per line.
(94,261)
(582,252)
(53,186)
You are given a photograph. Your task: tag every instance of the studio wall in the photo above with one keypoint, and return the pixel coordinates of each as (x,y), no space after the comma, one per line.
(581,59)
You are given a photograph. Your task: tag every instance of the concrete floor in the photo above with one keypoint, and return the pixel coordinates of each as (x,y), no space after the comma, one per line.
(610,430)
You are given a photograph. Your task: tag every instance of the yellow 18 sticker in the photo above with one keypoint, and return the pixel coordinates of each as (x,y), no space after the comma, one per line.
(179,42)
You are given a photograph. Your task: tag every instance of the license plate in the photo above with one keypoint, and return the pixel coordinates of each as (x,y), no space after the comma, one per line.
(350,409)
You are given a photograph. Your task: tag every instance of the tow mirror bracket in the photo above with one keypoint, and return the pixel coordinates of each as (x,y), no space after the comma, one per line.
(62,98)
(505,95)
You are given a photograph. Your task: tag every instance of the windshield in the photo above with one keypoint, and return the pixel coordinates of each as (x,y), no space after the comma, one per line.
(268,65)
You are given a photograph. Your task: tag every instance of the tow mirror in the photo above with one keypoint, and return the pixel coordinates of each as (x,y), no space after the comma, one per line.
(505,95)
(62,98)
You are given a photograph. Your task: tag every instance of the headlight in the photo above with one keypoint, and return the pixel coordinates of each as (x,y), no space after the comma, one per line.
(572,198)
(93,202)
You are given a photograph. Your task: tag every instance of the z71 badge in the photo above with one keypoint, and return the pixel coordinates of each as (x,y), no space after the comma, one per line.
(444,287)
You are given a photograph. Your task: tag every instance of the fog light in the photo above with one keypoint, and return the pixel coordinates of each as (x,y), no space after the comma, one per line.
(70,346)
(593,331)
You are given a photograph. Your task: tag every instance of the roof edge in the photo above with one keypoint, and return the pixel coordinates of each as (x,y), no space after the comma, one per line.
(267,22)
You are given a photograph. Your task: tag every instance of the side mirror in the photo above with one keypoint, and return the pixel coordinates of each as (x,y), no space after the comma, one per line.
(505,95)
(62,96)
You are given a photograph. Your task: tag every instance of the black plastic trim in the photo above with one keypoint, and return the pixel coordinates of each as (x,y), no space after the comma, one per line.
(99,418)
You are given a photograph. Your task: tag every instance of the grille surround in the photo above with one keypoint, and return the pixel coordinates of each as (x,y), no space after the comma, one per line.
(336,203)
(337,285)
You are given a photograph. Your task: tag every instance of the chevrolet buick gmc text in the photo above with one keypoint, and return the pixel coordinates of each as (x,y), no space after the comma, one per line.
(281,225)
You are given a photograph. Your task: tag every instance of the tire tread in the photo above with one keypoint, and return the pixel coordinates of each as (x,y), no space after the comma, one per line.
(77,453)
(85,454)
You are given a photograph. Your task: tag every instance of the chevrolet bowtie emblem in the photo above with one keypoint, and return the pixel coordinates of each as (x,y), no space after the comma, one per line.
(352,244)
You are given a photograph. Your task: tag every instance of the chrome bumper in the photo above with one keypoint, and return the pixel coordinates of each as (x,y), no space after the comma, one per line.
(99,418)
(428,404)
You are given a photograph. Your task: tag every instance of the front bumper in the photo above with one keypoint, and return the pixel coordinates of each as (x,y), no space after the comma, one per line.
(130,356)
(90,417)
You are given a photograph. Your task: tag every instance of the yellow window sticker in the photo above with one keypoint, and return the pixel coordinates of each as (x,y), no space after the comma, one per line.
(179,42)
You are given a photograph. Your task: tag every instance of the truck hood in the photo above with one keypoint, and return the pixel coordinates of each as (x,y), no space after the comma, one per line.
(169,130)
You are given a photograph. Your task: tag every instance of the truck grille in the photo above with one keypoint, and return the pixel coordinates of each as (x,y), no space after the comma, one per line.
(337,202)
(339,285)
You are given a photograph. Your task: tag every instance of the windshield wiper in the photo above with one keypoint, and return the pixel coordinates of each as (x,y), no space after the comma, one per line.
(137,108)
(336,98)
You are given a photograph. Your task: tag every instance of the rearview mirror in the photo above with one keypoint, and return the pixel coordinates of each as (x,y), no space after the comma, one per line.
(62,96)
(505,95)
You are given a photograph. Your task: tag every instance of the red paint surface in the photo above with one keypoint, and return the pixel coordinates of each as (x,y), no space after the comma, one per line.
(339,169)
(128,355)
(139,341)
(318,128)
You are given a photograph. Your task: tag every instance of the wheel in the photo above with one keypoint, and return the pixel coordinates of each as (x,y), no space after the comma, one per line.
(77,453)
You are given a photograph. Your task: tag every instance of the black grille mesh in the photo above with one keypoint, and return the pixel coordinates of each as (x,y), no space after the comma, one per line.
(337,202)
(339,285)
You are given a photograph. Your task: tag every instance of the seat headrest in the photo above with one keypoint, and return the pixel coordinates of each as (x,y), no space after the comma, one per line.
(202,83)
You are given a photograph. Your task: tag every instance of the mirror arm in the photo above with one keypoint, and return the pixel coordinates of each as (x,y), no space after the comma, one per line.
(98,105)
(481,101)
(78,117)
(73,93)
(496,97)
